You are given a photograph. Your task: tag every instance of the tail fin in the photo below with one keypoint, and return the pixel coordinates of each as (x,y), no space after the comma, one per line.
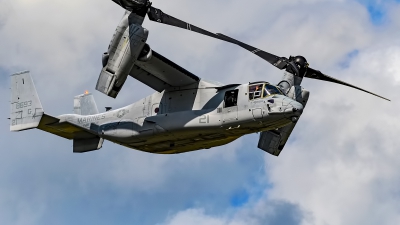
(85,105)
(26,109)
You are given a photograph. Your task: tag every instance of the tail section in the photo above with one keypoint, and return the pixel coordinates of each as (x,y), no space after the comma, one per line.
(85,105)
(27,113)
(26,109)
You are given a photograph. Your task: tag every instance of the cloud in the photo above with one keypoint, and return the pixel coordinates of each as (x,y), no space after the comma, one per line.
(339,166)
(355,167)
(4,12)
(273,212)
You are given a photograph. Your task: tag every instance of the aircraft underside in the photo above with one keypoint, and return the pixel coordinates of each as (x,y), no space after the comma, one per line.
(193,139)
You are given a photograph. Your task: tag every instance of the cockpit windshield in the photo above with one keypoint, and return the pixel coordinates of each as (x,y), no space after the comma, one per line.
(271,90)
(262,90)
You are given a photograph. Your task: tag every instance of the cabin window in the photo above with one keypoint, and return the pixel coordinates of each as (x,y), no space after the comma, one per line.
(255,91)
(231,98)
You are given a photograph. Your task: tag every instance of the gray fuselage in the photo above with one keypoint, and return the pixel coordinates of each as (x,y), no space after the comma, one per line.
(196,117)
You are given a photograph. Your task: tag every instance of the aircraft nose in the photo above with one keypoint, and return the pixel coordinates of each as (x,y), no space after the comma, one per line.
(297,108)
(287,108)
(293,109)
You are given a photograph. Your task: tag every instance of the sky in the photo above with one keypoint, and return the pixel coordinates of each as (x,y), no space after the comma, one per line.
(340,165)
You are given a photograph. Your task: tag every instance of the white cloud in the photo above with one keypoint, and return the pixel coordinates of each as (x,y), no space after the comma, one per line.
(342,165)
(338,168)
(261,213)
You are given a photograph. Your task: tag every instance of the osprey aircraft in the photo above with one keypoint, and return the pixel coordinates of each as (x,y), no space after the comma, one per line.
(186,113)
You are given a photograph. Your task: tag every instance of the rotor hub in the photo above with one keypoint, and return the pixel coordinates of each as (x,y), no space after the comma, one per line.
(297,66)
(300,61)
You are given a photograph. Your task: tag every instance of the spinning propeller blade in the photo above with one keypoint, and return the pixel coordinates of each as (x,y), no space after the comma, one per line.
(295,65)
(281,63)
(132,5)
(273,59)
(159,16)
(315,74)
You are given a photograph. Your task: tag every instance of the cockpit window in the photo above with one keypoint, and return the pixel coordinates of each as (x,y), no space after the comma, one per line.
(262,90)
(271,90)
(255,91)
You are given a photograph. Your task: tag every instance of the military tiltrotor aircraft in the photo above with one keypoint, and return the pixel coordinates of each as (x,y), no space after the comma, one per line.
(186,113)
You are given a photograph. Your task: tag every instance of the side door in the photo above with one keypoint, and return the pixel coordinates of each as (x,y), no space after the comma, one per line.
(230,109)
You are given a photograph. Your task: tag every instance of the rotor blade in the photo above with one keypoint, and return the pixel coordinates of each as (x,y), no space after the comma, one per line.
(315,74)
(271,58)
(131,5)
(159,16)
(279,62)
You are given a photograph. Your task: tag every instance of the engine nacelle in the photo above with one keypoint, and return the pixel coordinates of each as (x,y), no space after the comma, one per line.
(124,50)
(104,59)
(288,81)
(146,54)
(299,94)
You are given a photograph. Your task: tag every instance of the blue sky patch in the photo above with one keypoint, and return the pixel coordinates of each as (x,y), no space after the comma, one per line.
(284,213)
(4,77)
(376,13)
(240,198)
(377,10)
(348,58)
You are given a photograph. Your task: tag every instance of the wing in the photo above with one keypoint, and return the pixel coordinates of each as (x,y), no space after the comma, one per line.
(160,73)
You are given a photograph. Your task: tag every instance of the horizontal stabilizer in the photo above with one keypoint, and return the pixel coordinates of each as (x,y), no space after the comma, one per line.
(84,140)
(63,129)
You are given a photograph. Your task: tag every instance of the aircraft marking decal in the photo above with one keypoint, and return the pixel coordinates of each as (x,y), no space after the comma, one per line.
(91,119)
(204,119)
(23,104)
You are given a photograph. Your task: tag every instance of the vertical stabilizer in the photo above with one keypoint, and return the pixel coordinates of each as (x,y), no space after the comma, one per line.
(26,109)
(85,105)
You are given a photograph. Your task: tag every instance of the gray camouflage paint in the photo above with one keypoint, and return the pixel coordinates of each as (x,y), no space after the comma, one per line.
(178,121)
